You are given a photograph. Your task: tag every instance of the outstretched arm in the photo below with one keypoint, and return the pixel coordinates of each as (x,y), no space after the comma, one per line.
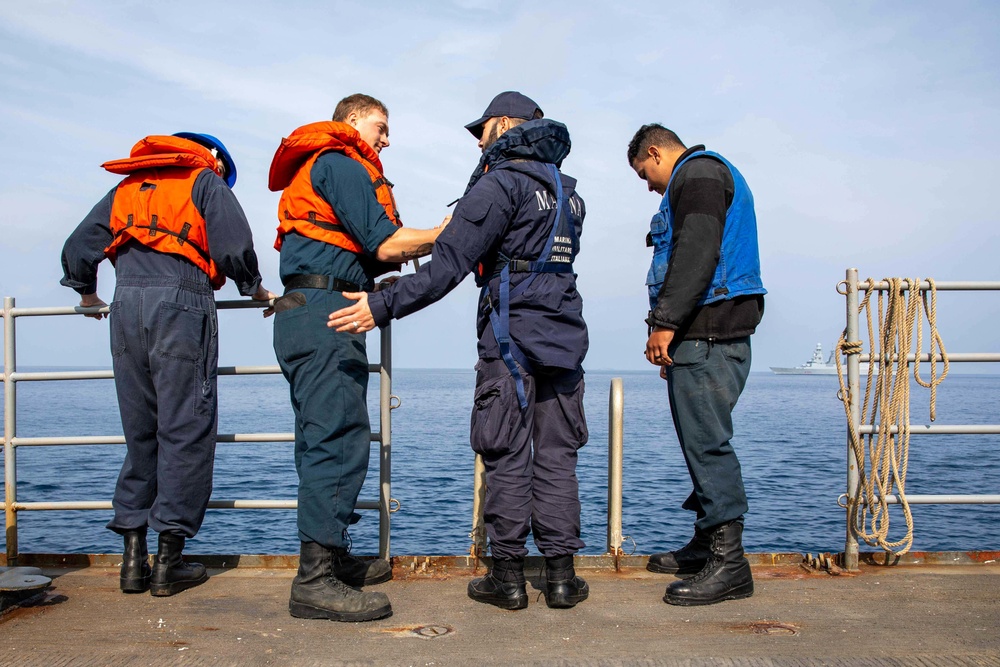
(408,243)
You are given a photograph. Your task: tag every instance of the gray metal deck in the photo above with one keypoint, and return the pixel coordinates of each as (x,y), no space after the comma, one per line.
(922,615)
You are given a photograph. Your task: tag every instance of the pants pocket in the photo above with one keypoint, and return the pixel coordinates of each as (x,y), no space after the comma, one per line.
(181,332)
(294,336)
(494,417)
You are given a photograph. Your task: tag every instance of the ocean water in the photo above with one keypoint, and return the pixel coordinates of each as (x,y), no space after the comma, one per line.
(790,437)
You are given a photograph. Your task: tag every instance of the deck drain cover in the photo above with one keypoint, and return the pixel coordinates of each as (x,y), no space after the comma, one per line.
(432,631)
(773,628)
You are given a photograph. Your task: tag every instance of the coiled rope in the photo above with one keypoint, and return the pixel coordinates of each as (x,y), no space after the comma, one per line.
(883,457)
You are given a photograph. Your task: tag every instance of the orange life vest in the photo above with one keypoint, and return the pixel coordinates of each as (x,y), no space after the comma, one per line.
(153,204)
(301,209)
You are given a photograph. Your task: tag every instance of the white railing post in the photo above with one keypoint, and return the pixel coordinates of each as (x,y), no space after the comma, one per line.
(9,429)
(616,411)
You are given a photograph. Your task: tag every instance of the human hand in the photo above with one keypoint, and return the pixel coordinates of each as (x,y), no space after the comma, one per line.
(93,301)
(353,319)
(263,294)
(444,223)
(657,346)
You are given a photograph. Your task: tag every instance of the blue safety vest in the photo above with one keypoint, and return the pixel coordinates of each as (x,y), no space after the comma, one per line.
(738,271)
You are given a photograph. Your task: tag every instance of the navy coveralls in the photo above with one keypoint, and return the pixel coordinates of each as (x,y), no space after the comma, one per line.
(508,213)
(164,349)
(327,371)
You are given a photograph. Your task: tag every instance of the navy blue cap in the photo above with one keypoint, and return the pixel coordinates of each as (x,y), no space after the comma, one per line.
(509,103)
(208,141)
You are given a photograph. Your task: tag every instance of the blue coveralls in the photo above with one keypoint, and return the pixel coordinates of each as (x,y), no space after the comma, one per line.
(510,213)
(327,371)
(164,348)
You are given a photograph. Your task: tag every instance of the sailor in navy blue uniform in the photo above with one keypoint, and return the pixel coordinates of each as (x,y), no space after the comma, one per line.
(517,228)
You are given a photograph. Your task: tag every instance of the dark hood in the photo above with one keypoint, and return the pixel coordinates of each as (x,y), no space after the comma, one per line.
(541,140)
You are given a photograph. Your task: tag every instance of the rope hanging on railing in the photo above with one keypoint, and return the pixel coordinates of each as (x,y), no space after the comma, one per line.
(883,463)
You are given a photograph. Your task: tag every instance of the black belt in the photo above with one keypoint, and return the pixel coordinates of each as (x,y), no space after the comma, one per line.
(314,281)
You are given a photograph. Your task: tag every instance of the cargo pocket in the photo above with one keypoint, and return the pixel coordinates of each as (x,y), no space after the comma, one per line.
(494,417)
(181,331)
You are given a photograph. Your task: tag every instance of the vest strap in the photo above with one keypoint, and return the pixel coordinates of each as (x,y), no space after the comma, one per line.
(499,316)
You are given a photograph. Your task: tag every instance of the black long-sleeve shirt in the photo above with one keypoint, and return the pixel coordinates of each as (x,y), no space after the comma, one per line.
(230,243)
(700,194)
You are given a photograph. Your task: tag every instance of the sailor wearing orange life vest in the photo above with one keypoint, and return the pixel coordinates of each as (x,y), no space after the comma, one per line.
(174,231)
(338,230)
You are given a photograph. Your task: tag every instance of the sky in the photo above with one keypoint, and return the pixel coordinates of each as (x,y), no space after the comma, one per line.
(867,131)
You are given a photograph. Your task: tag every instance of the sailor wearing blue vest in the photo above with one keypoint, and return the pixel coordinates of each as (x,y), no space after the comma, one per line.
(706,299)
(517,228)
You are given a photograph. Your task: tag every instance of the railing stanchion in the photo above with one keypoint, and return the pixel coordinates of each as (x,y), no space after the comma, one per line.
(616,410)
(478,505)
(854,387)
(9,430)
(385,444)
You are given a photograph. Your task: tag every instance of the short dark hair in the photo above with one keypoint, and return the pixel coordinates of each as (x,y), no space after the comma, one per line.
(360,103)
(514,122)
(652,134)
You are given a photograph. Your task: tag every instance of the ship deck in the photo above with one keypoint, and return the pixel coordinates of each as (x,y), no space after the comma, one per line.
(928,615)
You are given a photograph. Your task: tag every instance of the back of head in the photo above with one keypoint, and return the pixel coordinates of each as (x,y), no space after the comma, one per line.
(218,149)
(360,104)
(652,134)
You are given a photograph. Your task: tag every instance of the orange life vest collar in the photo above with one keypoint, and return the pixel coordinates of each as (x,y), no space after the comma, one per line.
(164,151)
(301,209)
(153,204)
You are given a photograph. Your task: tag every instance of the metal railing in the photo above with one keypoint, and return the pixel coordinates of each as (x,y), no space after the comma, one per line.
(852,289)
(11,441)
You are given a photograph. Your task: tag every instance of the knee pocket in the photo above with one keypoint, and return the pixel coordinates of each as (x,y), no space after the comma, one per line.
(495,414)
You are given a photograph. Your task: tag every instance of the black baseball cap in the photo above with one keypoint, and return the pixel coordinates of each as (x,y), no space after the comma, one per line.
(509,103)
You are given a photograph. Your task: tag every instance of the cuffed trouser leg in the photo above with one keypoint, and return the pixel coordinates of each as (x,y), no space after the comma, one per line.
(165,355)
(703,385)
(328,377)
(529,490)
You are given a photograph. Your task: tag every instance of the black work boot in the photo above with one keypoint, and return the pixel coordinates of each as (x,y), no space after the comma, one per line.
(503,585)
(726,575)
(563,589)
(171,574)
(135,562)
(317,593)
(689,559)
(356,572)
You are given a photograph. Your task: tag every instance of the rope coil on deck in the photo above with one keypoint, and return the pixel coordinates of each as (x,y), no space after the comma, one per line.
(883,463)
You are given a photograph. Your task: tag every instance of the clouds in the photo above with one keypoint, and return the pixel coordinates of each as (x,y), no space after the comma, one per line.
(866,131)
